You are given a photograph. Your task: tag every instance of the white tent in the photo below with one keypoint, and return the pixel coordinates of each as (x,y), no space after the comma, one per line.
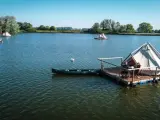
(6,34)
(147,56)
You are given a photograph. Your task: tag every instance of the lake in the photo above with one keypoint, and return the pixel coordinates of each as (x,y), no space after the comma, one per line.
(29,91)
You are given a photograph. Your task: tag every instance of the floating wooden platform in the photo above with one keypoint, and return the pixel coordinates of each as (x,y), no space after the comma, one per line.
(115,73)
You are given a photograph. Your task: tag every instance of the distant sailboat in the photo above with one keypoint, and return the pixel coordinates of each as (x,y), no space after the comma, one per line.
(101,37)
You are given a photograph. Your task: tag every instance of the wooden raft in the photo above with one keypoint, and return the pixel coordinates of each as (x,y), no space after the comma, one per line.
(116,73)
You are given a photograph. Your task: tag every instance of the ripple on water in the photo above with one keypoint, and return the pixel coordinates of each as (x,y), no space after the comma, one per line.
(29,91)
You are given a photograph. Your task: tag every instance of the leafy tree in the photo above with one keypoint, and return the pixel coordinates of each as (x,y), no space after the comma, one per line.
(31,30)
(127,28)
(20,25)
(130,28)
(115,27)
(9,24)
(106,24)
(41,27)
(96,28)
(145,28)
(53,28)
(110,26)
(157,31)
(25,26)
(1,24)
(103,25)
(123,29)
(47,28)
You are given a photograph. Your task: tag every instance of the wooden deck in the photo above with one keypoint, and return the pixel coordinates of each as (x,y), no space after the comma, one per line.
(115,73)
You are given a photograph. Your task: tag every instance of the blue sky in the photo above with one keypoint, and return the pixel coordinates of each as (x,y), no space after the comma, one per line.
(82,13)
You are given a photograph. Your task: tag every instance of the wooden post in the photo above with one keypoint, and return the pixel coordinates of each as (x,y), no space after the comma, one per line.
(132,76)
(120,68)
(121,60)
(156,73)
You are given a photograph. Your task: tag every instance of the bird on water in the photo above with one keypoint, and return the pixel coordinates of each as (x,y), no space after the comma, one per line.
(72,59)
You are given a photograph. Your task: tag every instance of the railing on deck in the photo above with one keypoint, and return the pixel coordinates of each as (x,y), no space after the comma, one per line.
(142,68)
(111,58)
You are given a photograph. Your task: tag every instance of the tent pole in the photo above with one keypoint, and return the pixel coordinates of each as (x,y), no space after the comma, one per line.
(156,73)
(121,68)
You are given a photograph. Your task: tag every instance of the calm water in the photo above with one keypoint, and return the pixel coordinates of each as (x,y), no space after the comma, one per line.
(29,91)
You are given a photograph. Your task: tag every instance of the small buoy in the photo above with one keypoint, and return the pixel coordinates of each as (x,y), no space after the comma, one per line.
(72,59)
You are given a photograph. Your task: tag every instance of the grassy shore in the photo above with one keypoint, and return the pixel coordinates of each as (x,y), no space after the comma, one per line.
(78,31)
(141,34)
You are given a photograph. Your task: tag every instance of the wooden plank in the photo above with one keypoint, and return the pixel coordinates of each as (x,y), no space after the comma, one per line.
(114,73)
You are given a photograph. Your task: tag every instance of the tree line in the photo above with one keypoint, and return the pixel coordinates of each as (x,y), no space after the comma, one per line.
(9,24)
(111,26)
(28,27)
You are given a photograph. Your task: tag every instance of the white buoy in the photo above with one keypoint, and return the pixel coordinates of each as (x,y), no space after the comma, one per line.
(72,59)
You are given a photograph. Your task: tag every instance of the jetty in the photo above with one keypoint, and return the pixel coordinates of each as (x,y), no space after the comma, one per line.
(140,67)
(126,76)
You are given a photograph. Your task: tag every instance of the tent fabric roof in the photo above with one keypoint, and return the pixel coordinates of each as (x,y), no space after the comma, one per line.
(146,55)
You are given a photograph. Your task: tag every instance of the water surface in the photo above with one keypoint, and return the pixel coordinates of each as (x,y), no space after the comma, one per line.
(29,91)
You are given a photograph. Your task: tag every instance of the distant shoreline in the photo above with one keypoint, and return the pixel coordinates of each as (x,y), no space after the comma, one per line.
(72,32)
(141,34)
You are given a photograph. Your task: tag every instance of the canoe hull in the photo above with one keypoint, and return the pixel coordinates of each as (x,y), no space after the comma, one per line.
(77,71)
(100,38)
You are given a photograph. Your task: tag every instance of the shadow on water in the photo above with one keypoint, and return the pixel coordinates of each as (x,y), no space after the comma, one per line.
(137,90)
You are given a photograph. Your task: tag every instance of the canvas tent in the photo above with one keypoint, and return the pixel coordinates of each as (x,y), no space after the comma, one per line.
(146,56)
(6,34)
